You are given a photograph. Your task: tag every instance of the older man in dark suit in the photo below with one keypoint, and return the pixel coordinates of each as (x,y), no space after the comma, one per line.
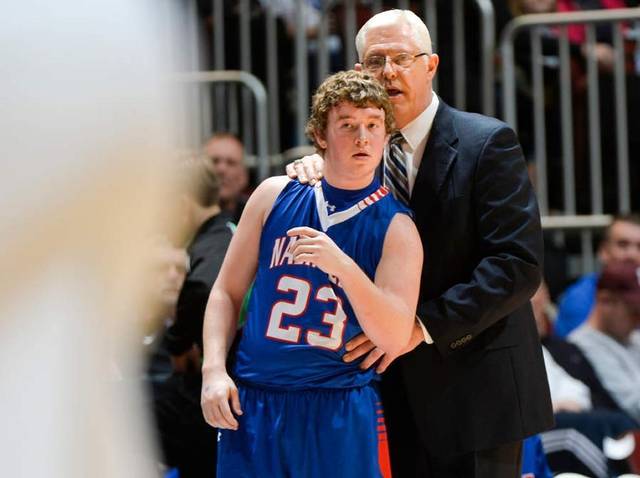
(471,383)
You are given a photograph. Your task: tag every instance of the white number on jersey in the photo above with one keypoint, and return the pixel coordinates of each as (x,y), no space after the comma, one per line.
(336,319)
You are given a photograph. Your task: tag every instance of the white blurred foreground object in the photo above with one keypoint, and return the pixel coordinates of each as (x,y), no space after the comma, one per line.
(86,135)
(619,449)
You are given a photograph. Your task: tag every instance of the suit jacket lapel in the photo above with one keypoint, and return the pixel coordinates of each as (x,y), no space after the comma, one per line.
(439,153)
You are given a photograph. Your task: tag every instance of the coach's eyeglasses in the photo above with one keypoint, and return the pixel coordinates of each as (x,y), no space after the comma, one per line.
(375,63)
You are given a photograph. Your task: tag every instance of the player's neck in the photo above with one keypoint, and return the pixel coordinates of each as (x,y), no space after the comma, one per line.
(347,181)
(349,185)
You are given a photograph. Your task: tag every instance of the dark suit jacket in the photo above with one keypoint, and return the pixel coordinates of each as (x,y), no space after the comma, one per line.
(482,383)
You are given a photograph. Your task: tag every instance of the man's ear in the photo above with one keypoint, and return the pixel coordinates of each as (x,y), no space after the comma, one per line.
(432,64)
(358,67)
(603,253)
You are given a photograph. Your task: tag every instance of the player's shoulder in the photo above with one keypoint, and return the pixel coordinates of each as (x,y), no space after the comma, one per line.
(274,183)
(264,196)
(269,188)
(402,238)
(402,222)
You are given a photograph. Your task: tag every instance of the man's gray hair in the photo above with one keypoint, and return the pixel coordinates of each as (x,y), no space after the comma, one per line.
(418,28)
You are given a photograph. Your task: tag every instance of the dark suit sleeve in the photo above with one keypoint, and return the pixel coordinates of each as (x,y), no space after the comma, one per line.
(508,241)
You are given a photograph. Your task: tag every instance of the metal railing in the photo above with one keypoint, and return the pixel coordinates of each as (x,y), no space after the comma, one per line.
(233,114)
(231,111)
(259,93)
(585,226)
(554,27)
(534,24)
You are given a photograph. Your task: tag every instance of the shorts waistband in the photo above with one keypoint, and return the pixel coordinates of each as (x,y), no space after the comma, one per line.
(289,389)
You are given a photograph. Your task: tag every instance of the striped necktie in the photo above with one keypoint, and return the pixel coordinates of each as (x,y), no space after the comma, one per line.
(395,170)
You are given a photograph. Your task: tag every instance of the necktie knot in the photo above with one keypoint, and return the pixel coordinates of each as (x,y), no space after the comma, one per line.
(396,138)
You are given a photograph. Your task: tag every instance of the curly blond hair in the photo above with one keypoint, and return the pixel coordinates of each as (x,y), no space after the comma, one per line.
(355,87)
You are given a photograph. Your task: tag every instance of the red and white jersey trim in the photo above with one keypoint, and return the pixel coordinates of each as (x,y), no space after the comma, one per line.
(373,197)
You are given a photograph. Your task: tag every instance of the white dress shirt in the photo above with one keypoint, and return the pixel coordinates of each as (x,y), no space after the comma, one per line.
(416,134)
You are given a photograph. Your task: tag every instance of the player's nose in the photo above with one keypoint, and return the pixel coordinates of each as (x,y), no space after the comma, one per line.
(362,137)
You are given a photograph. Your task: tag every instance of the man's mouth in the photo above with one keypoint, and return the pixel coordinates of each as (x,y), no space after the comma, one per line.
(361,155)
(393,92)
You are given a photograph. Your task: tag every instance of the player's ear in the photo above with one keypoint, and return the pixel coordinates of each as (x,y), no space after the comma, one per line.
(320,139)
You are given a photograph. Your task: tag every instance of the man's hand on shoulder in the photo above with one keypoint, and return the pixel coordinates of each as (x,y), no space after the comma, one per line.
(307,169)
(360,346)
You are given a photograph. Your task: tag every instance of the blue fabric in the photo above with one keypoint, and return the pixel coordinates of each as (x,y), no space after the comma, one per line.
(305,434)
(305,350)
(575,305)
(172,473)
(534,461)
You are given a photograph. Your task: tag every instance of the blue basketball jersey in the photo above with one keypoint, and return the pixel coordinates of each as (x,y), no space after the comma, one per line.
(299,317)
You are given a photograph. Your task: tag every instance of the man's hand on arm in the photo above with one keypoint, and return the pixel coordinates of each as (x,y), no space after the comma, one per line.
(307,169)
(361,346)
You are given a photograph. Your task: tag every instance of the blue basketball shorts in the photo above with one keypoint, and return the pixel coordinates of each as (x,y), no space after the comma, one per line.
(306,434)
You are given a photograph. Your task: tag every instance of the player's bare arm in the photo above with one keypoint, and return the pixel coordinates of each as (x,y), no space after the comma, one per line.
(219,393)
(386,307)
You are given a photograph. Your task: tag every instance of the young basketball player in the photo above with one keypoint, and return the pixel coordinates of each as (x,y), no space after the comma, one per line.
(330,261)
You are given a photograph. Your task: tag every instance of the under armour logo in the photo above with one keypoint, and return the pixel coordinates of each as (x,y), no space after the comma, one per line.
(329,207)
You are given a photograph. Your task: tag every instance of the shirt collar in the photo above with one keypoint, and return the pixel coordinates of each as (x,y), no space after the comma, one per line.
(418,129)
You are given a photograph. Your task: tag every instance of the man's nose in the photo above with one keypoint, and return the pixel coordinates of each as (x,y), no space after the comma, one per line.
(388,70)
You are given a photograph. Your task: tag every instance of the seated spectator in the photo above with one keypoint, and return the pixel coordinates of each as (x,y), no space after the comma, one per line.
(567,393)
(565,354)
(621,243)
(585,414)
(166,269)
(225,157)
(611,339)
(187,442)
